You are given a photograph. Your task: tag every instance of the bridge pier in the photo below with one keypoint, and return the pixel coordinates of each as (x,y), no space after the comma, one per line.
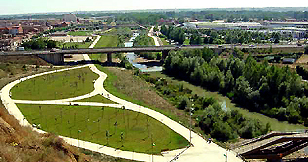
(164,54)
(53,58)
(109,57)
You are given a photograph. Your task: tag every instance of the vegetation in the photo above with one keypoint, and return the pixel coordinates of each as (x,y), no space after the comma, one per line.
(117,128)
(59,85)
(201,92)
(19,143)
(71,45)
(79,33)
(174,33)
(40,43)
(212,117)
(107,41)
(144,40)
(258,87)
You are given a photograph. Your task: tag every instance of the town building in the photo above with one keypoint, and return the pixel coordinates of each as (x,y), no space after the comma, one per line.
(70,18)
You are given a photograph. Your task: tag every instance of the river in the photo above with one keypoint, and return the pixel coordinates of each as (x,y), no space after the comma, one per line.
(131,56)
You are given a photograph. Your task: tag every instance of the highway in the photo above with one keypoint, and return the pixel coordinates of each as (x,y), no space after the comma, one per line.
(144,49)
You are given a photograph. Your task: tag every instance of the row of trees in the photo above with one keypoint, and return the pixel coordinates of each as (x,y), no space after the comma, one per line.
(40,43)
(212,117)
(257,87)
(174,33)
(211,36)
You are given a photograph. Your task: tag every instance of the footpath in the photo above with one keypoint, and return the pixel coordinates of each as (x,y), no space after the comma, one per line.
(200,150)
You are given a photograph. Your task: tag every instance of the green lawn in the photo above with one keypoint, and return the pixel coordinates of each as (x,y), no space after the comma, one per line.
(275,124)
(107,41)
(91,124)
(80,33)
(104,41)
(186,42)
(79,44)
(97,98)
(59,85)
(164,41)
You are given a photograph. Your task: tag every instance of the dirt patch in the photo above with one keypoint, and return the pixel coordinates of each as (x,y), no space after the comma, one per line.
(30,60)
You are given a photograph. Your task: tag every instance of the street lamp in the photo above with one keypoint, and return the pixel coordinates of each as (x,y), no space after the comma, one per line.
(190,114)
(79,131)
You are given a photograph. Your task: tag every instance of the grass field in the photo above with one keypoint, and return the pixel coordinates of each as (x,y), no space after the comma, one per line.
(97,98)
(164,41)
(79,44)
(275,124)
(80,33)
(87,123)
(107,41)
(123,84)
(186,42)
(60,85)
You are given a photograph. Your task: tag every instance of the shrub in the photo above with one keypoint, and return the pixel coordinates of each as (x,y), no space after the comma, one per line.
(183,102)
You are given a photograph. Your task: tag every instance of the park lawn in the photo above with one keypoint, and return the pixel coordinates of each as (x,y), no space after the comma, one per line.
(275,124)
(123,84)
(92,123)
(104,41)
(58,85)
(80,33)
(107,41)
(186,42)
(79,44)
(164,41)
(97,98)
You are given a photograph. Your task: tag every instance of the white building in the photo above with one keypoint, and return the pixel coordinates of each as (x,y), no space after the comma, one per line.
(70,18)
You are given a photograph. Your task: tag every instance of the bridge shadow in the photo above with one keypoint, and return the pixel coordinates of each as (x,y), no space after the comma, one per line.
(85,62)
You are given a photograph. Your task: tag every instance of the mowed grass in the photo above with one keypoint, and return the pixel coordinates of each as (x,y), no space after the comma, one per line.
(107,41)
(80,33)
(97,98)
(79,44)
(104,41)
(123,84)
(275,124)
(164,41)
(87,123)
(58,85)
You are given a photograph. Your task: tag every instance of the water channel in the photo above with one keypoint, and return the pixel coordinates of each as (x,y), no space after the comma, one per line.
(131,56)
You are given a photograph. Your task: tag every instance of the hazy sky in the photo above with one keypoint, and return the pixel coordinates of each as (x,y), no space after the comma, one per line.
(42,6)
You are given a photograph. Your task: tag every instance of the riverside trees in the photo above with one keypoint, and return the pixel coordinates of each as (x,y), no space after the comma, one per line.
(276,92)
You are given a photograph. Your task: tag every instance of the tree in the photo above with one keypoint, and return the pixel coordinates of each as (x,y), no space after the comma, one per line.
(306,50)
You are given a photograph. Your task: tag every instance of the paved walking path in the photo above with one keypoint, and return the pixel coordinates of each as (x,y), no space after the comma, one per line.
(200,151)
(150,34)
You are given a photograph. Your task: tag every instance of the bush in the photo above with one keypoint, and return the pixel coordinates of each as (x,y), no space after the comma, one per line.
(222,131)
(183,102)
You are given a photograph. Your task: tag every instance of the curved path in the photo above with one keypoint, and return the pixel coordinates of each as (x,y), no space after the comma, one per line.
(199,151)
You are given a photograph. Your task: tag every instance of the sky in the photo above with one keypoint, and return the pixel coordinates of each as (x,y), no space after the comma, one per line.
(44,6)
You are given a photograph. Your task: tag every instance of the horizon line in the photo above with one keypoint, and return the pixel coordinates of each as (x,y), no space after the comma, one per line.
(136,10)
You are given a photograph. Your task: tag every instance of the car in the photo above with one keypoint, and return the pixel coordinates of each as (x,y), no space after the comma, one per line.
(54,50)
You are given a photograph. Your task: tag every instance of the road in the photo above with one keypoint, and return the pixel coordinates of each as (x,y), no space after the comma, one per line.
(143,49)
(199,151)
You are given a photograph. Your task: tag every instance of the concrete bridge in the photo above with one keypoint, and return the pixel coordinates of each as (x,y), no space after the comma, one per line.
(273,146)
(57,57)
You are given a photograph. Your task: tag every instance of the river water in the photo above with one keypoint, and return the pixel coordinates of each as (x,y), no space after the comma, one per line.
(131,56)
